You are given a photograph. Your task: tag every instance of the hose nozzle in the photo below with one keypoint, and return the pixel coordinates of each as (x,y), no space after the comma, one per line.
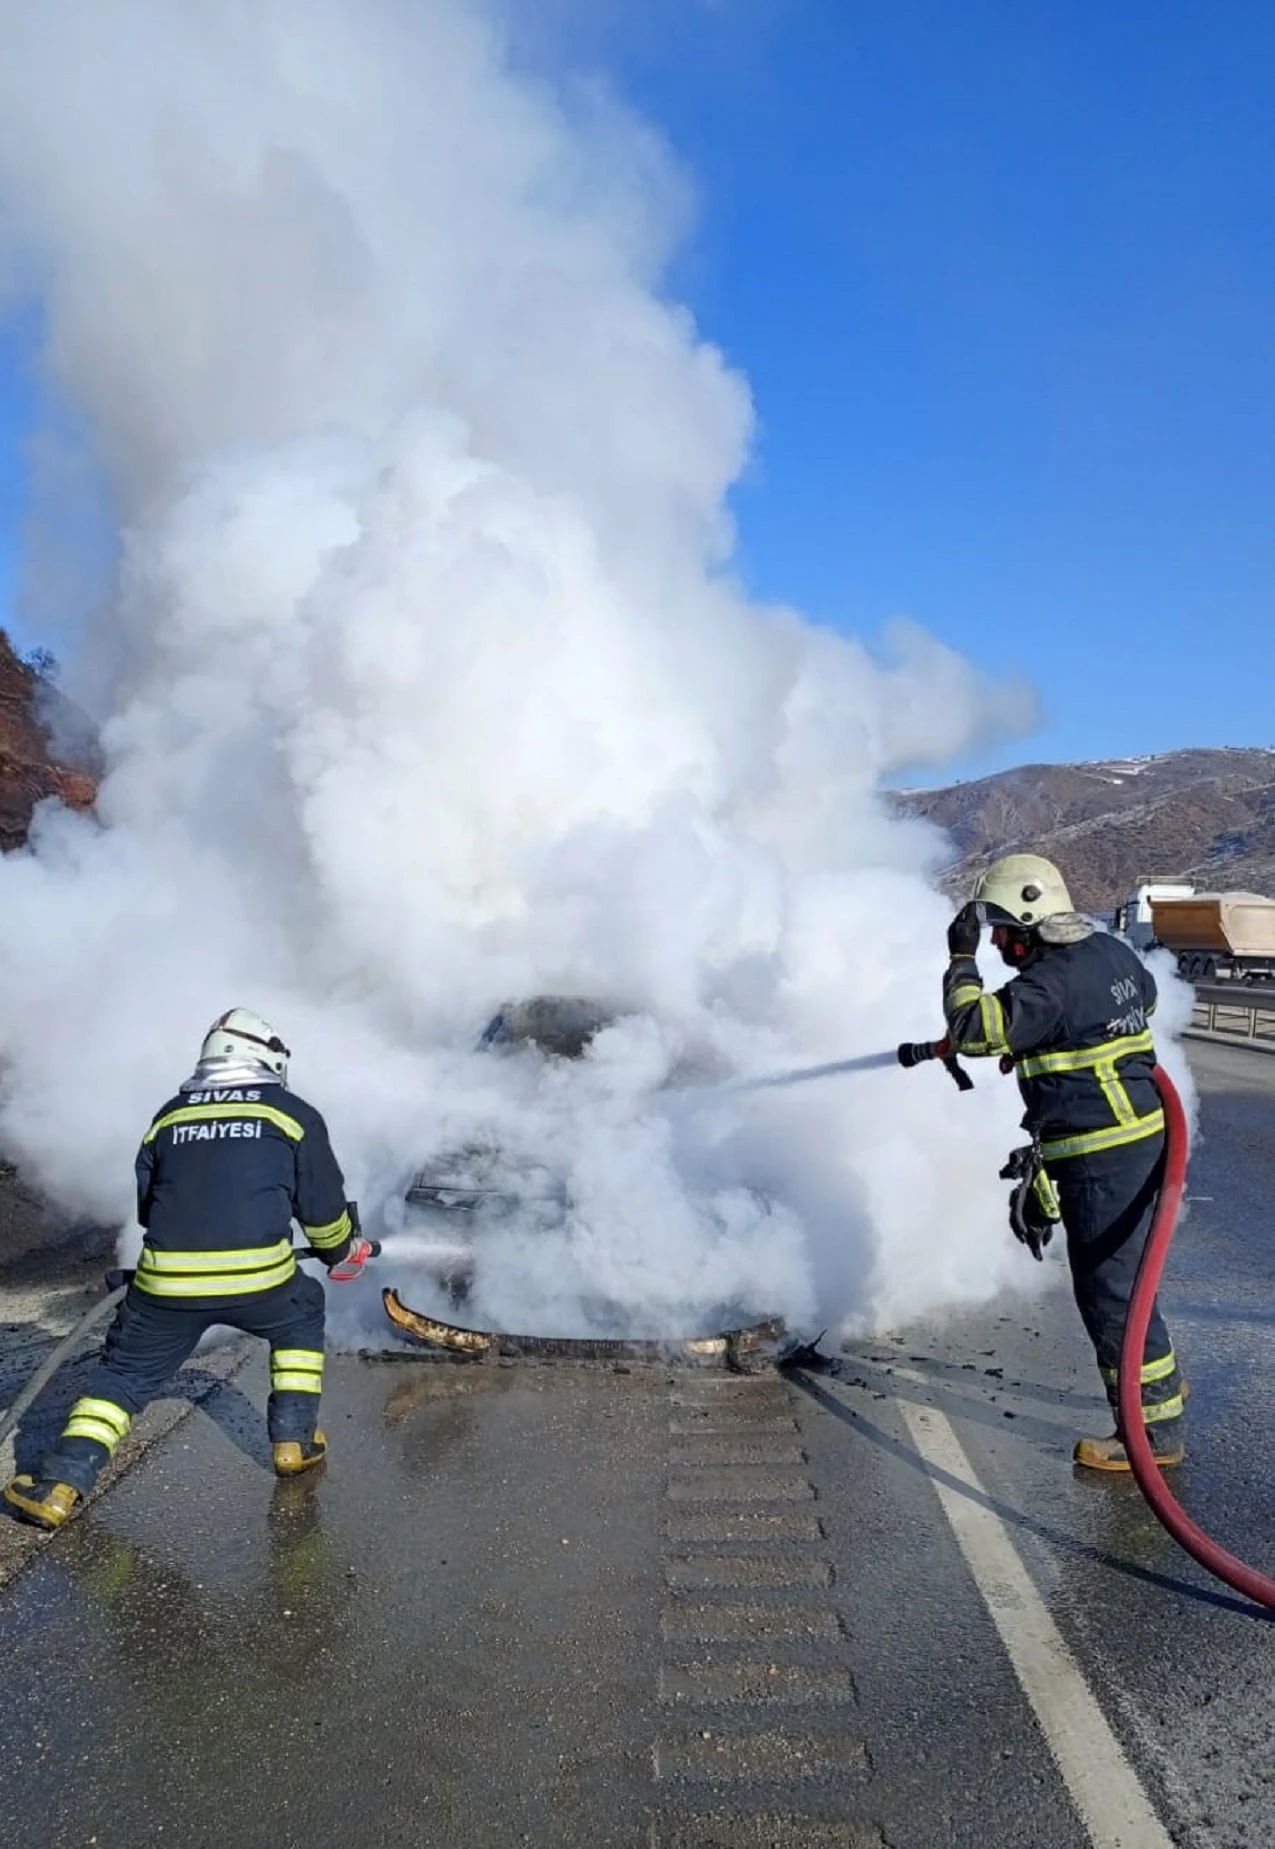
(914,1052)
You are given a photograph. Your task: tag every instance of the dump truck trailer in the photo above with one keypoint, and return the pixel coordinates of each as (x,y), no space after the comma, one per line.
(1218,936)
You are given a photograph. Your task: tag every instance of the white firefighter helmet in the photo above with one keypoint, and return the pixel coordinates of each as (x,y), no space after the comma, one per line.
(240,1035)
(1022,889)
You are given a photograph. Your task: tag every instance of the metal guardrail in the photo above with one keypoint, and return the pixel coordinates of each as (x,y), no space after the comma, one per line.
(1241,1014)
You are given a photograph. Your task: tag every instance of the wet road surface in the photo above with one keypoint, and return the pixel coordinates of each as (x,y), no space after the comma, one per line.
(569,1606)
(1184,1671)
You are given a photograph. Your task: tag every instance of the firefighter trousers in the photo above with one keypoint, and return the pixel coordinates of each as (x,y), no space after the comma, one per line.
(1108,1202)
(151,1337)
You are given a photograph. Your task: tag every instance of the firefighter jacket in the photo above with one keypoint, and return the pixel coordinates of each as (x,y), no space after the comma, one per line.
(221,1175)
(1074,1024)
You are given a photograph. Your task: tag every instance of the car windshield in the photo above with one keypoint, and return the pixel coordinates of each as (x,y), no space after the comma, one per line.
(562,1025)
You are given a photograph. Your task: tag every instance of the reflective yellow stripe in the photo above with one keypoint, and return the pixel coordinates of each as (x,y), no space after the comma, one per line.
(1102,1062)
(991,1018)
(106,1410)
(298,1358)
(330,1235)
(1083,1059)
(215,1274)
(1089,1142)
(1151,1370)
(232,1284)
(296,1370)
(94,1429)
(993,1025)
(1167,1409)
(974,1049)
(207,1113)
(1159,1370)
(1114,1092)
(103,1409)
(1047,1194)
(244,1258)
(101,1420)
(964,994)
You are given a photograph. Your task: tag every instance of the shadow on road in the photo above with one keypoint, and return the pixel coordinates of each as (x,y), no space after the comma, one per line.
(1013,1518)
(944,1377)
(230,1410)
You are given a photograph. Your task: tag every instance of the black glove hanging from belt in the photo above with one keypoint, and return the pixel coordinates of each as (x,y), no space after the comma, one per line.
(1033,1201)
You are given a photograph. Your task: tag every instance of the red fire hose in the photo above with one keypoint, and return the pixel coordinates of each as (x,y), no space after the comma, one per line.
(1150,1478)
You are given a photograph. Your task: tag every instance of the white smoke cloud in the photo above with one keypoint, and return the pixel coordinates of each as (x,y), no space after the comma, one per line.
(1175,1005)
(426,683)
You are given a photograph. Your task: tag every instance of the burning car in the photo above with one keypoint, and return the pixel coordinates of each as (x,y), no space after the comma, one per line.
(460,1199)
(456,1195)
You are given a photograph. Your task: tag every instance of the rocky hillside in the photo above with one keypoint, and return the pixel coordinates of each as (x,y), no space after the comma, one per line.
(1207,816)
(28,768)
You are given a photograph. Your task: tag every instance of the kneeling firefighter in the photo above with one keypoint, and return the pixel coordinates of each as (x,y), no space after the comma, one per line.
(222,1172)
(1073,1027)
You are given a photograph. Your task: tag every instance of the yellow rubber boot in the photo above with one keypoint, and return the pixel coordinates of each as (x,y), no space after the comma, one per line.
(291,1456)
(45,1504)
(1110,1454)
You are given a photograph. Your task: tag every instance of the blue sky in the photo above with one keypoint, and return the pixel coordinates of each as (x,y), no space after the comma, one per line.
(1002,277)
(15,415)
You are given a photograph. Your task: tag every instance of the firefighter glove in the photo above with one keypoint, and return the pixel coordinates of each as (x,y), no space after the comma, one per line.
(1033,1202)
(963,932)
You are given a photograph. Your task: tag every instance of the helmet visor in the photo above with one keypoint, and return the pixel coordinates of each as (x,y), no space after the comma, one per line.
(997,915)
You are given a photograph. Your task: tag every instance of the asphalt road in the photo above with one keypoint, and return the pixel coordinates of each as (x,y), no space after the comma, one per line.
(562,1606)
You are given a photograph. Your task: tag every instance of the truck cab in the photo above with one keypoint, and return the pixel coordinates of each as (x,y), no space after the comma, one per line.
(1134,919)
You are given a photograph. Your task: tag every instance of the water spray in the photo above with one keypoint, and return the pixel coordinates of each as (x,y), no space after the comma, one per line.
(911,1053)
(866,1062)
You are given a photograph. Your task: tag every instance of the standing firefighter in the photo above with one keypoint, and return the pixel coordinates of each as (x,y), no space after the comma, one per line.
(1073,1026)
(224,1169)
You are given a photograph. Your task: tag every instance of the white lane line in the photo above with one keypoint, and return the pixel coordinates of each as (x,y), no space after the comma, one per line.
(1104,1788)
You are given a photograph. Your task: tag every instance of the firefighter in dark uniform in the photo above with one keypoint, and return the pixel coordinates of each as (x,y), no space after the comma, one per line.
(224,1169)
(1073,1025)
